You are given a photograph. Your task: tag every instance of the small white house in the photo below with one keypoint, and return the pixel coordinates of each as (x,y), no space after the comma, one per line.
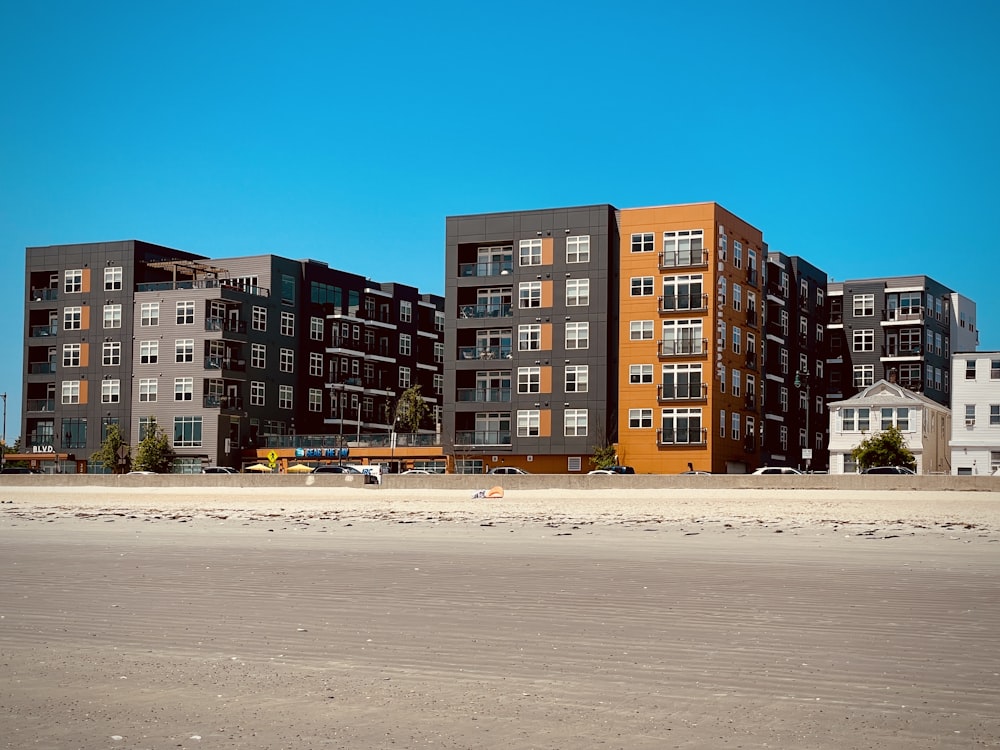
(925,425)
(975,396)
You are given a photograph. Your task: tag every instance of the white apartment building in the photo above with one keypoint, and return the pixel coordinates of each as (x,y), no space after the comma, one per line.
(975,434)
(924,423)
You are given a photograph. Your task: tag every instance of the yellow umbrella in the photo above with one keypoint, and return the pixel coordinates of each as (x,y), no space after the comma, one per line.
(299,469)
(258,467)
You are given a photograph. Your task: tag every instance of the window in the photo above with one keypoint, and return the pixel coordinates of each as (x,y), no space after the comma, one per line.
(994,415)
(640,418)
(111,353)
(575,423)
(256,393)
(111,391)
(864,375)
(73,281)
(258,356)
(71,392)
(642,242)
(529,379)
(183,389)
(578,335)
(286,360)
(439,351)
(577,292)
(184,350)
(529,337)
(147,389)
(286,396)
(404,377)
(439,321)
(287,324)
(577,378)
(736,381)
(684,292)
(722,291)
(578,248)
(783,437)
(530,252)
(528,422)
(642,286)
(864,340)
(113,279)
(438,384)
(819,297)
(405,311)
(682,248)
(995,369)
(185,313)
(682,381)
(737,254)
(316,364)
(405,344)
(529,294)
(640,374)
(258,320)
(737,340)
(71,355)
(187,432)
(72,318)
(783,361)
(681,427)
(315,400)
(722,423)
(641,330)
(149,352)
(819,332)
(149,314)
(970,369)
(737,297)
(783,398)
(970,415)
(315,329)
(682,337)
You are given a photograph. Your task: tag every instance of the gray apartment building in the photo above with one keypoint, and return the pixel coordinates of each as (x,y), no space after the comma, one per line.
(222,354)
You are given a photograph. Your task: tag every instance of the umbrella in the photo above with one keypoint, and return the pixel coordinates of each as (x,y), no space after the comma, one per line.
(258,467)
(299,469)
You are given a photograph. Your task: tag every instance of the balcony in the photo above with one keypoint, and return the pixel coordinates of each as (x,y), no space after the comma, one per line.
(894,350)
(41,368)
(752,276)
(751,360)
(216,362)
(218,401)
(903,315)
(41,404)
(51,329)
(682,392)
(486,352)
(751,317)
(696,436)
(472,438)
(227,325)
(683,259)
(683,347)
(683,303)
(491,268)
(750,402)
(486,310)
(483,394)
(44,295)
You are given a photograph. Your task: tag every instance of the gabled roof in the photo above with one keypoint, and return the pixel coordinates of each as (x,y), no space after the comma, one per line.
(884,393)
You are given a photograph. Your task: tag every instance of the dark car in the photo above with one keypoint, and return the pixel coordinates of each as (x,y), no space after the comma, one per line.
(18,470)
(889,470)
(219,470)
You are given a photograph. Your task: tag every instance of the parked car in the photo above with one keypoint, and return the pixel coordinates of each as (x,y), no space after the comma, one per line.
(142,473)
(889,470)
(614,470)
(18,470)
(777,470)
(344,469)
(699,473)
(506,470)
(219,470)
(415,471)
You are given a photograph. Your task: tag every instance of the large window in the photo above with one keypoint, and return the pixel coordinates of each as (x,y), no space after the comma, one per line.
(73,281)
(72,318)
(529,294)
(71,355)
(149,352)
(185,313)
(286,360)
(529,337)
(680,426)
(683,293)
(404,377)
(528,422)
(183,389)
(71,391)
(256,393)
(111,391)
(577,292)
(638,374)
(682,248)
(577,377)
(286,396)
(682,337)
(315,400)
(864,305)
(529,379)
(111,353)
(640,418)
(187,432)
(643,242)
(316,364)
(405,311)
(864,375)
(575,423)
(855,420)
(578,249)
(578,335)
(864,340)
(149,314)
(640,330)
(287,324)
(147,389)
(113,278)
(682,381)
(113,316)
(530,252)
(642,286)
(258,356)
(184,350)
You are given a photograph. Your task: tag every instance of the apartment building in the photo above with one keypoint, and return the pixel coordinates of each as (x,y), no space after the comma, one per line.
(530,335)
(898,328)
(975,426)
(222,354)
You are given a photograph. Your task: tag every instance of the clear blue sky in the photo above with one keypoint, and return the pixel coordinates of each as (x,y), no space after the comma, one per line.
(859,135)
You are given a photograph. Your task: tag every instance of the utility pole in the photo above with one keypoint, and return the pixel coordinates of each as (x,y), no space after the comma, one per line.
(3,446)
(802,381)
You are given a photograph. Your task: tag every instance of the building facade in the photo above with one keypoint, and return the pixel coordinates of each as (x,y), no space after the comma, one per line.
(223,355)
(975,426)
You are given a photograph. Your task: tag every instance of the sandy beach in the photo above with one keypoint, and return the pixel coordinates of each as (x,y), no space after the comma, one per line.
(319,618)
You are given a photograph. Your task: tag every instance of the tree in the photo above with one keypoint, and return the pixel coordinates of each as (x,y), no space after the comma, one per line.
(155,452)
(411,410)
(108,454)
(605,452)
(886,448)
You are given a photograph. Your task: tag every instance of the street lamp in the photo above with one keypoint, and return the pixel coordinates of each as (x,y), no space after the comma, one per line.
(3,444)
(802,381)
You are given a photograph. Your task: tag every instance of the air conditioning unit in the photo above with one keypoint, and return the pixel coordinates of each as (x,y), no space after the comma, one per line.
(970,423)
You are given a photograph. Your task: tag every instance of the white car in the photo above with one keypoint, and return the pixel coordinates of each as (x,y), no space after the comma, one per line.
(506,470)
(777,470)
(415,471)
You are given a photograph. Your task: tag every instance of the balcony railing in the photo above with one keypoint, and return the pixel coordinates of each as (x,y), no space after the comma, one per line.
(218,401)
(899,314)
(483,394)
(215,362)
(683,259)
(43,295)
(51,329)
(684,436)
(891,350)
(225,324)
(41,404)
(752,276)
(489,268)
(166,286)
(485,352)
(482,437)
(485,310)
(751,360)
(683,303)
(751,317)
(682,391)
(683,347)
(42,368)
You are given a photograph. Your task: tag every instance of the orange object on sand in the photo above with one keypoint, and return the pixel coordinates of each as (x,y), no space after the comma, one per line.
(494,492)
